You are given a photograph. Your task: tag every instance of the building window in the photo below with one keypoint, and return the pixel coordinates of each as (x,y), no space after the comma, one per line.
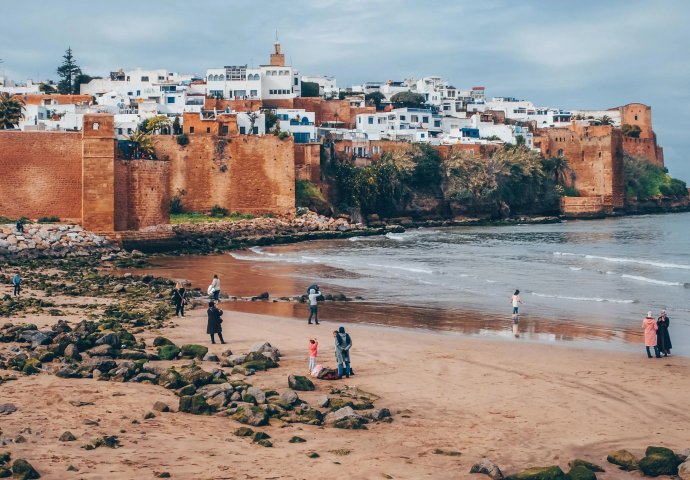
(635,117)
(224,129)
(437,123)
(119,131)
(208,129)
(425,119)
(96,125)
(560,152)
(253,93)
(144,79)
(161,77)
(138,93)
(403,118)
(296,81)
(171,99)
(414,118)
(129,93)
(371,120)
(191,129)
(129,131)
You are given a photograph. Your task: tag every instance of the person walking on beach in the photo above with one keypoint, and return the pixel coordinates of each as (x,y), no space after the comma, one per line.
(314,305)
(214,288)
(17,284)
(179,298)
(650,328)
(214,320)
(313,352)
(343,343)
(516,301)
(663,339)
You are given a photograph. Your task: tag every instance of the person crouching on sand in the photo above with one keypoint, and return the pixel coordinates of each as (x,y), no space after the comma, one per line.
(650,328)
(214,321)
(313,353)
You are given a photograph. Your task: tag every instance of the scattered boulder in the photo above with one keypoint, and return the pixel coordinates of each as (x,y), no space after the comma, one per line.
(72,352)
(258,361)
(104,350)
(300,383)
(624,459)
(659,461)
(160,341)
(7,408)
(163,475)
(195,404)
(346,418)
(161,407)
(211,357)
(111,339)
(265,443)
(289,398)
(171,379)
(313,455)
(296,439)
(233,360)
(145,377)
(168,352)
(540,473)
(580,472)
(583,463)
(487,467)
(149,415)
(260,436)
(24,470)
(193,351)
(447,453)
(244,432)
(684,470)
(195,375)
(251,415)
(67,437)
(110,441)
(258,394)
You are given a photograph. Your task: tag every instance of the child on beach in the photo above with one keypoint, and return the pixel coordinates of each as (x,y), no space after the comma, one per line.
(516,301)
(313,352)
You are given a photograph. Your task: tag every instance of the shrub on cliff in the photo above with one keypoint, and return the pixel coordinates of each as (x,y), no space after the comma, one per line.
(182,139)
(308,195)
(644,180)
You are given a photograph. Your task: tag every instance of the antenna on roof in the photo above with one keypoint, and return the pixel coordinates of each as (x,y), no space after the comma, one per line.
(276,35)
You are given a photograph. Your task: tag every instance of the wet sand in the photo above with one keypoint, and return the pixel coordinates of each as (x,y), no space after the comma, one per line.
(245,279)
(519,404)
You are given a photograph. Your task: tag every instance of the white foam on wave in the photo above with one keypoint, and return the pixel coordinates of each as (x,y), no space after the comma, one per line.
(263,258)
(395,236)
(582,299)
(406,269)
(626,260)
(260,251)
(654,281)
(576,269)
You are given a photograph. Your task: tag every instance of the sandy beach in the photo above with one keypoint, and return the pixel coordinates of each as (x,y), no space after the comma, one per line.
(518,404)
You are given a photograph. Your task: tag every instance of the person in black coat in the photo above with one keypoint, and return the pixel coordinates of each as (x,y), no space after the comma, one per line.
(663,339)
(179,298)
(214,321)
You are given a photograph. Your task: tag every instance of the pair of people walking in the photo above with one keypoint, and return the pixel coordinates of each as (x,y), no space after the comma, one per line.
(656,334)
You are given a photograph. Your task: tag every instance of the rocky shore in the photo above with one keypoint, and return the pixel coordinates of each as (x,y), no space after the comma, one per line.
(52,241)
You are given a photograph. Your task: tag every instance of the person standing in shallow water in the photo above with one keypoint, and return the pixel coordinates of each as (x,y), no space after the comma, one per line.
(214,320)
(650,328)
(663,339)
(516,301)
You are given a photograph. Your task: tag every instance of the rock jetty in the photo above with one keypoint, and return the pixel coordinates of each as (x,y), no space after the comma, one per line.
(51,240)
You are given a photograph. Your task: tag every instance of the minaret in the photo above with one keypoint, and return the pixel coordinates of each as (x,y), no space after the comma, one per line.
(277,58)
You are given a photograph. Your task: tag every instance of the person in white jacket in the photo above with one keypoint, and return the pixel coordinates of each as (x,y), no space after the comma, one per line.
(314,305)
(214,288)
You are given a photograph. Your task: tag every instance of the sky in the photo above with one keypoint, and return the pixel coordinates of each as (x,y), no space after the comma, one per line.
(576,54)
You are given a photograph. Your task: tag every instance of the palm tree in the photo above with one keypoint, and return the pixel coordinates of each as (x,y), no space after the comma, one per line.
(158,124)
(11,109)
(559,169)
(143,145)
(605,120)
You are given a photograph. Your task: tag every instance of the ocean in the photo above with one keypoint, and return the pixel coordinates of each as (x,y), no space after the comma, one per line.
(587,282)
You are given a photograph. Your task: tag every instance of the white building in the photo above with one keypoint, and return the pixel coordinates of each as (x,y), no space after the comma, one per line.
(299,123)
(523,110)
(275,81)
(414,124)
(327,85)
(8,86)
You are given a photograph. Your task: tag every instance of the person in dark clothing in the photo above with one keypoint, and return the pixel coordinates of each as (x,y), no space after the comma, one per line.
(343,343)
(20,226)
(179,298)
(663,339)
(214,320)
(17,283)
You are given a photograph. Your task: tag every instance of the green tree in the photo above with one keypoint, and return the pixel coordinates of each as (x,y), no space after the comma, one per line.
(47,88)
(558,168)
(177,128)
(11,111)
(157,124)
(644,180)
(632,131)
(271,120)
(78,81)
(375,98)
(605,120)
(68,72)
(408,99)
(142,143)
(310,89)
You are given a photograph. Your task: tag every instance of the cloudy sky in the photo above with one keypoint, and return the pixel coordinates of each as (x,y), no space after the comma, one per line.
(570,54)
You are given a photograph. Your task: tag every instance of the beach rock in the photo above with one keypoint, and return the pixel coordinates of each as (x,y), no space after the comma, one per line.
(684,470)
(162,474)
(24,470)
(168,352)
(233,360)
(265,443)
(300,383)
(31,366)
(583,463)
(487,467)
(289,398)
(128,354)
(378,414)
(149,415)
(581,472)
(110,441)
(251,415)
(193,351)
(103,350)
(145,377)
(20,439)
(258,361)
(260,436)
(109,339)
(67,437)
(7,408)
(211,357)
(226,353)
(5,472)
(160,341)
(262,347)
(540,473)
(195,404)
(624,459)
(346,418)
(257,393)
(119,288)
(244,432)
(659,461)
(72,352)
(171,379)
(161,407)
(323,401)
(684,455)
(40,338)
(72,468)
(194,375)
(313,455)
(296,439)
